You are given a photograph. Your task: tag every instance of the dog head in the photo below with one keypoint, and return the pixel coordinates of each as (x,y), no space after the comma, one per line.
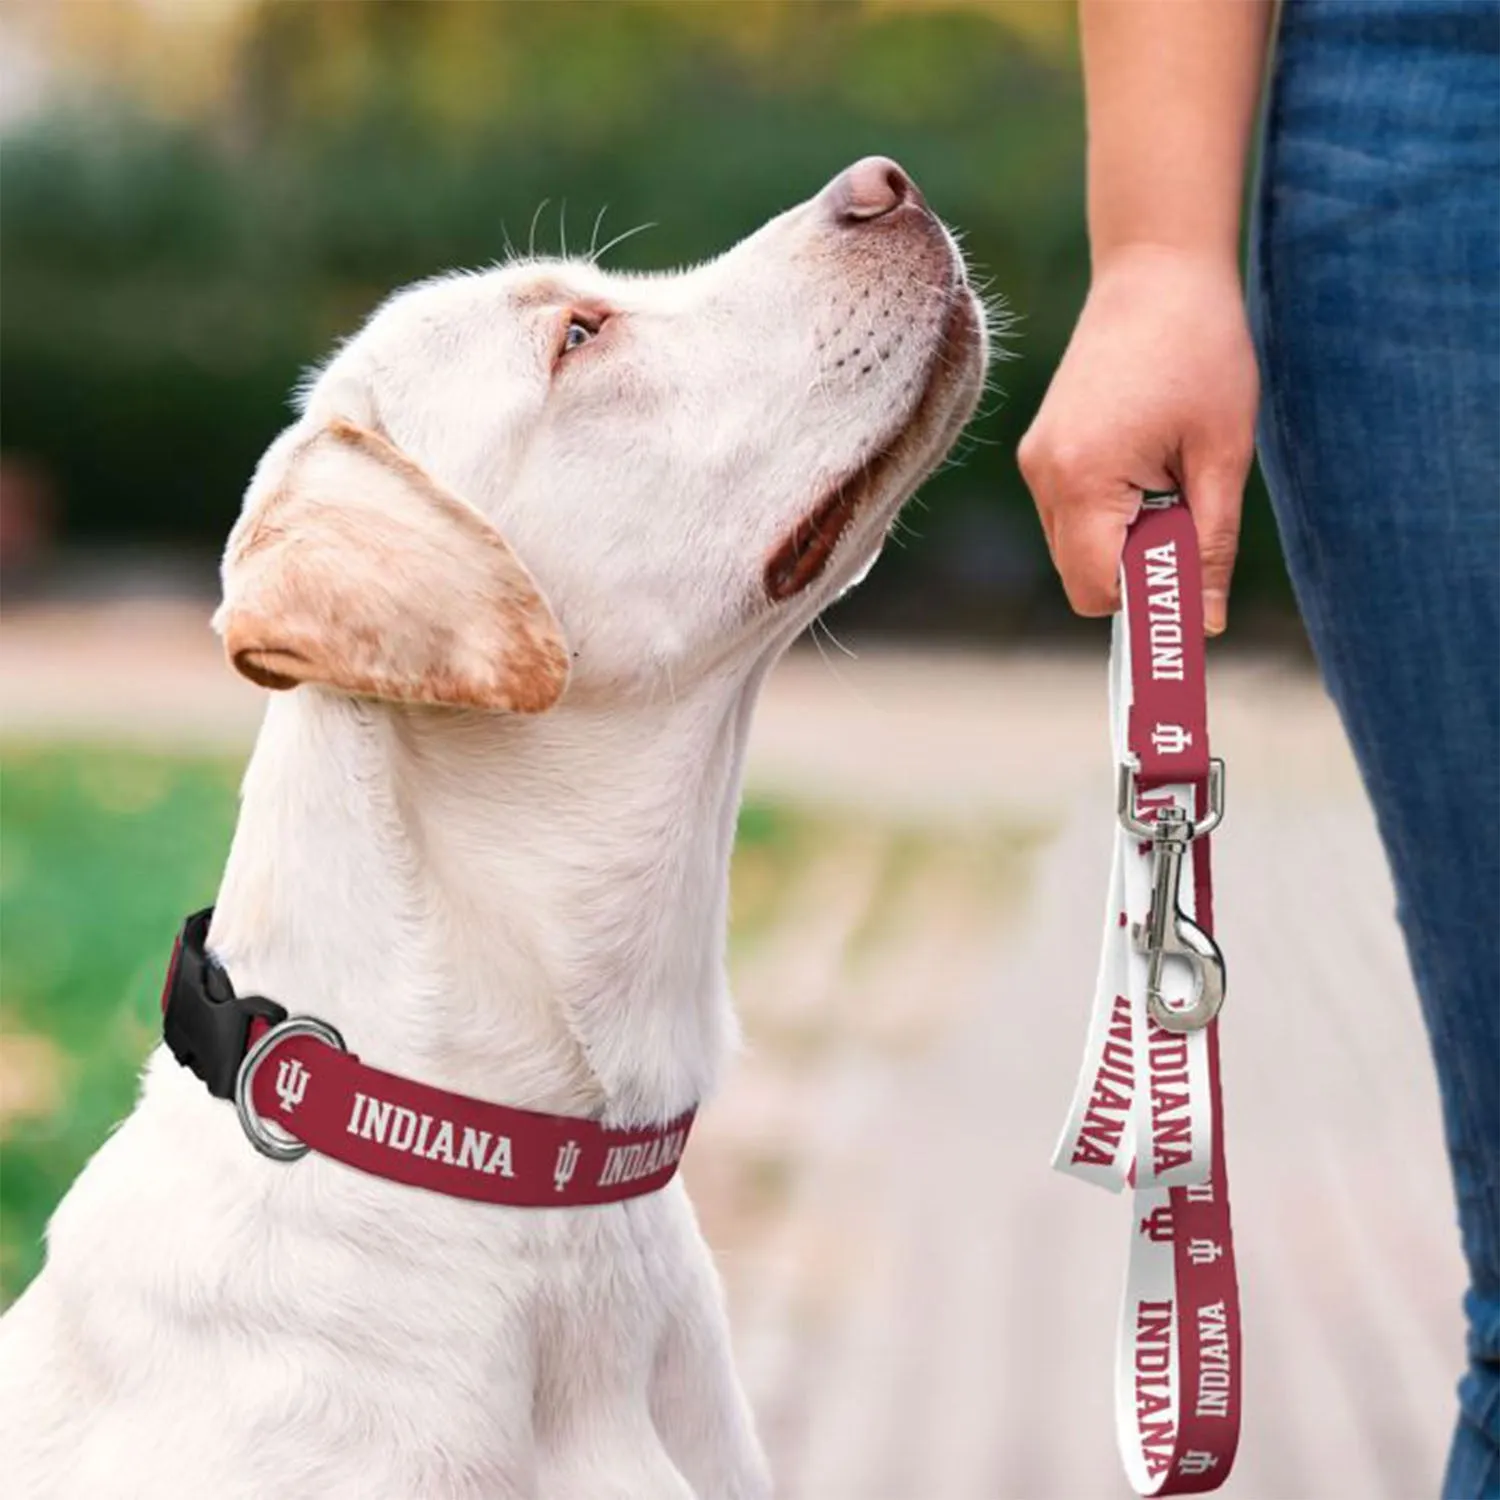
(547,471)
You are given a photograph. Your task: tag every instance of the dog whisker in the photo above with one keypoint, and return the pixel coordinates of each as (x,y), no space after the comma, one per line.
(592,256)
(819,623)
(620,239)
(531,237)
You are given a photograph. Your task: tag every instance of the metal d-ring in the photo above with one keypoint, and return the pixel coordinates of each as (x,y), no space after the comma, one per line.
(278,1144)
(1125,803)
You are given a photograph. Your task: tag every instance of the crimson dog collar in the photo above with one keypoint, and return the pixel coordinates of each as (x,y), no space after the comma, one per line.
(1148,1110)
(297,1088)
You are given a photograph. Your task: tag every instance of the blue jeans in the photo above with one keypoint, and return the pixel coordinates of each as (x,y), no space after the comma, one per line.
(1375,297)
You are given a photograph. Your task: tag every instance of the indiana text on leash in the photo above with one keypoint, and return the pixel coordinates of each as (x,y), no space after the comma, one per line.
(527,555)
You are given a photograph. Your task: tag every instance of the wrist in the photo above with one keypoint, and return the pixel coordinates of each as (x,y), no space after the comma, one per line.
(1198,259)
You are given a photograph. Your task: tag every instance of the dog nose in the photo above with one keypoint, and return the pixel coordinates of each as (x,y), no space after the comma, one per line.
(871,189)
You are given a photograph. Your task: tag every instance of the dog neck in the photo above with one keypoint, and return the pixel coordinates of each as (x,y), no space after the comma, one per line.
(531,910)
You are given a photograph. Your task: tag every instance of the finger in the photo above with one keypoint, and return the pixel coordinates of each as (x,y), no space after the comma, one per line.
(1035,472)
(1215,494)
(1089,540)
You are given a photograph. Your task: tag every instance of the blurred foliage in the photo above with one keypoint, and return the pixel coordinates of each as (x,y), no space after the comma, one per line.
(227,189)
(104,854)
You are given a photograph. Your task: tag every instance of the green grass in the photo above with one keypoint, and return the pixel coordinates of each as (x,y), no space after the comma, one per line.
(102,853)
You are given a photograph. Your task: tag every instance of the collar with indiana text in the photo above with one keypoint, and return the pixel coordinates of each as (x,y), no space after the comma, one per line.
(297,1088)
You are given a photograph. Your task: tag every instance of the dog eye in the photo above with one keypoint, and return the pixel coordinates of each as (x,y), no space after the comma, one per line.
(578,333)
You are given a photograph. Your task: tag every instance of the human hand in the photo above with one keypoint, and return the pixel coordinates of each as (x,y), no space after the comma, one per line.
(1157,390)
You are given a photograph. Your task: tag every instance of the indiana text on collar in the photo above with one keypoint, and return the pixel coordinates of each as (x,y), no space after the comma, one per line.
(297,1088)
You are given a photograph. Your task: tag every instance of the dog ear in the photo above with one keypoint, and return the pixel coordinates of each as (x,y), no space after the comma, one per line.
(352,567)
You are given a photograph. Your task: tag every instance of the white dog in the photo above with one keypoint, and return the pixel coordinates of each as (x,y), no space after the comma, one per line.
(530,551)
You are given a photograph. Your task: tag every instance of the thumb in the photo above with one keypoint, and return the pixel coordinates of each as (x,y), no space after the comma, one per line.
(1215,495)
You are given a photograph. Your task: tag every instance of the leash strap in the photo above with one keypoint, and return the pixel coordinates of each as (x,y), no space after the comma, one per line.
(297,1087)
(1147,1109)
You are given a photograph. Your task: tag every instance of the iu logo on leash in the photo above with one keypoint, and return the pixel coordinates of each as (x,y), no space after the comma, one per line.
(1170,739)
(291,1083)
(567,1164)
(1157,1225)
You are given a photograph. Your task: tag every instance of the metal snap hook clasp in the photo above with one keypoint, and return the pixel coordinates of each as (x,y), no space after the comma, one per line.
(1185,940)
(1167,931)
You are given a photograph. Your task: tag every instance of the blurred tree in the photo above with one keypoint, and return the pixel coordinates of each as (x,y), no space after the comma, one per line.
(220,190)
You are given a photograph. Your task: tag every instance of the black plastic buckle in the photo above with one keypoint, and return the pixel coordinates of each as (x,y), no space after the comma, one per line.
(206,1025)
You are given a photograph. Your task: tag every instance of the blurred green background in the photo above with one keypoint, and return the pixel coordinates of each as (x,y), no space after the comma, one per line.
(200,198)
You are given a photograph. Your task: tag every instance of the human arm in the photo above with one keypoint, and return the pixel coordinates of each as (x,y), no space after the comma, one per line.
(1158,387)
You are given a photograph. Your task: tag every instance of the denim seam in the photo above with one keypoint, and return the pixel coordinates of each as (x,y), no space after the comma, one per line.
(1307,535)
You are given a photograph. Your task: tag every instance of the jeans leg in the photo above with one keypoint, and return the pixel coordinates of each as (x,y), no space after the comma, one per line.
(1375,297)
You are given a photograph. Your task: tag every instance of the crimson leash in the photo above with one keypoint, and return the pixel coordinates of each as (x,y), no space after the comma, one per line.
(1147,1111)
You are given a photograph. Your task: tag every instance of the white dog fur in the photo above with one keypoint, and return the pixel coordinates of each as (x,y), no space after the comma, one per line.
(522,573)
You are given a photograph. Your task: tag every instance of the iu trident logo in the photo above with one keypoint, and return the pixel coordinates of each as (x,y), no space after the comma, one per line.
(1157,1225)
(567,1164)
(291,1083)
(1170,739)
